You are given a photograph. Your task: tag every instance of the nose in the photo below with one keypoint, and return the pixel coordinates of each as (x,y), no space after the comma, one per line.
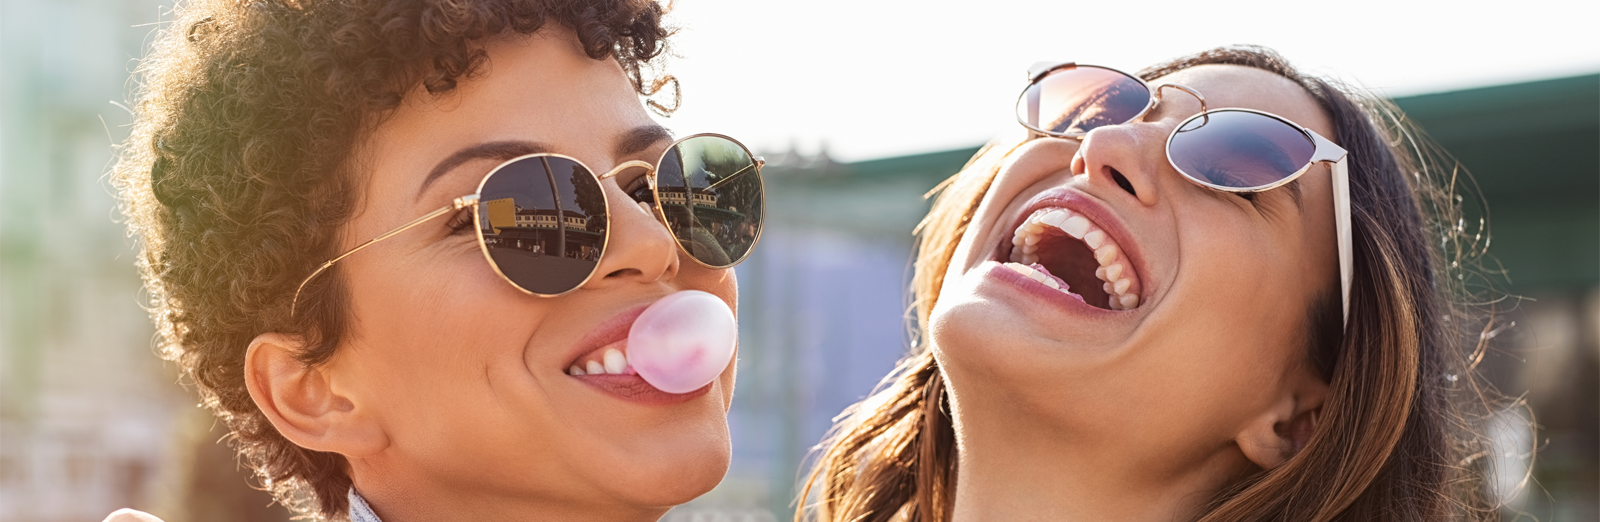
(639,248)
(1126,159)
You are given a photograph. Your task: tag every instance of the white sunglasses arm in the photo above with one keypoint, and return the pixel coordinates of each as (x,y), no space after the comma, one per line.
(1341,219)
(1339,158)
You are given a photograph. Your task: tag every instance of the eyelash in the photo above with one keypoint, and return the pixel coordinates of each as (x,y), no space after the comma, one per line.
(460,221)
(639,190)
(1247,196)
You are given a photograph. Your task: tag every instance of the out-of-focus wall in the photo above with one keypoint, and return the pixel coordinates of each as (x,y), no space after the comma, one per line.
(90,419)
(1534,151)
(823,316)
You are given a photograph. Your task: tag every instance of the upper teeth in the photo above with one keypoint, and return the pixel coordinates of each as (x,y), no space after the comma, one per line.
(613,361)
(1120,282)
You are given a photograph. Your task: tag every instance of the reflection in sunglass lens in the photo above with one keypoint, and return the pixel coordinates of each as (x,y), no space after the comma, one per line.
(1076,100)
(1238,149)
(710,192)
(543,220)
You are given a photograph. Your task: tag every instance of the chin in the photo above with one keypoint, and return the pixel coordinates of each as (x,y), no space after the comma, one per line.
(664,461)
(675,478)
(1006,356)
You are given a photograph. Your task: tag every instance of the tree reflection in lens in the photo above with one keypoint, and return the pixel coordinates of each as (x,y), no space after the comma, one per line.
(710,192)
(543,221)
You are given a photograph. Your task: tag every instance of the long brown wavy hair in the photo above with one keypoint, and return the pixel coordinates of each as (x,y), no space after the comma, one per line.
(235,177)
(1397,437)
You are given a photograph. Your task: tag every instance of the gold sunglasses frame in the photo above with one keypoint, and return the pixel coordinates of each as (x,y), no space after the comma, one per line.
(1325,151)
(471,200)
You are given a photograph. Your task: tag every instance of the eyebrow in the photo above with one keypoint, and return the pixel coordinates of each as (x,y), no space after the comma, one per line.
(493,150)
(632,142)
(640,138)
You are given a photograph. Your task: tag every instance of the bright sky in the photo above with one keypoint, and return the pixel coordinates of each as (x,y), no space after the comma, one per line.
(877,78)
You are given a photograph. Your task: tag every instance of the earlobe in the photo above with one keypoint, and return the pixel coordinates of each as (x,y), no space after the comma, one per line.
(1285,429)
(302,401)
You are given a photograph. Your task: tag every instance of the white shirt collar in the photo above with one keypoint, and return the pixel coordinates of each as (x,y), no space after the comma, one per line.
(359,510)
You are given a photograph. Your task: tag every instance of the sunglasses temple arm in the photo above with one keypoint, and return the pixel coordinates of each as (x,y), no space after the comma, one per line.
(625,166)
(455,205)
(725,179)
(1341,215)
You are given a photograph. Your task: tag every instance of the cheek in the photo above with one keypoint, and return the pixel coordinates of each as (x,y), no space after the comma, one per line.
(1236,270)
(435,320)
(1235,314)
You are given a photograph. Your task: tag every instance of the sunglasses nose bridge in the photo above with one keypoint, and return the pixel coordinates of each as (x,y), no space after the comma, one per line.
(625,166)
(1162,88)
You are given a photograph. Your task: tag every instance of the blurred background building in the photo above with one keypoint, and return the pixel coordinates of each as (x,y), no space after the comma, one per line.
(91,420)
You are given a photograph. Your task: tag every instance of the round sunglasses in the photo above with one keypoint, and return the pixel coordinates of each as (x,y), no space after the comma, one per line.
(543,224)
(1231,150)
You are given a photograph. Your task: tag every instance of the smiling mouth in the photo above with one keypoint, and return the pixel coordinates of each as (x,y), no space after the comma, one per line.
(1066,251)
(607,369)
(606,361)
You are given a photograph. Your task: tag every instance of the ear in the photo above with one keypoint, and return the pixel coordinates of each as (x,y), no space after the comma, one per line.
(1284,429)
(303,402)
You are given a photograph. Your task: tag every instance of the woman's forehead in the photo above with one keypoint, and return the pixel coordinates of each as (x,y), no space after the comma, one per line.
(1251,88)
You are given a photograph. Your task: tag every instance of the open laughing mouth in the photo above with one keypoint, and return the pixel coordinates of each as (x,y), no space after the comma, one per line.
(1066,251)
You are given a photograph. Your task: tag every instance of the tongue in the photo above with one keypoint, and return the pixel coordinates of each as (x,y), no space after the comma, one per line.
(682,342)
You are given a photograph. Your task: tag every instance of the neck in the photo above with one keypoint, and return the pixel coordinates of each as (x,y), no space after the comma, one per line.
(398,496)
(1021,470)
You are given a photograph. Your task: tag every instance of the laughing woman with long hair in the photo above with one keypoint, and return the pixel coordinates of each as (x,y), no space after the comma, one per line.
(1211,291)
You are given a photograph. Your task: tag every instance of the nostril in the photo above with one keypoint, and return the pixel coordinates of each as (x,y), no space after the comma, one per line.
(624,273)
(1122,181)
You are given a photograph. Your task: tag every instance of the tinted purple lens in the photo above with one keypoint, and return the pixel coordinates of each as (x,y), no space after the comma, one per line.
(543,221)
(1078,99)
(1239,149)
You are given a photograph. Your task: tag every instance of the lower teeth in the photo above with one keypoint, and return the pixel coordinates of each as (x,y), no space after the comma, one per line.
(1033,271)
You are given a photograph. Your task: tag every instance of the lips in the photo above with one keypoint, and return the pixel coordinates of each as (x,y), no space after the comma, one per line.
(1070,244)
(602,362)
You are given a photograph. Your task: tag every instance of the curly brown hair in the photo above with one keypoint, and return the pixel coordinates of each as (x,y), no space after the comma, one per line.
(235,175)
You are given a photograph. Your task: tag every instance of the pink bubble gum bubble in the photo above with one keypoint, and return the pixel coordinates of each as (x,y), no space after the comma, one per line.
(682,342)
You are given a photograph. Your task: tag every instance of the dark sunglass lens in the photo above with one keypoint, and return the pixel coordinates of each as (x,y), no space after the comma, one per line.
(1238,149)
(543,221)
(711,194)
(1079,99)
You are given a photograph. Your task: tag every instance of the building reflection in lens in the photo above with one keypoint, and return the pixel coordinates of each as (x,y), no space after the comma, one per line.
(710,192)
(544,223)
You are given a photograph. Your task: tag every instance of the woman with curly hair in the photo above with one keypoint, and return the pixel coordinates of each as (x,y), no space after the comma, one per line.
(1211,291)
(398,246)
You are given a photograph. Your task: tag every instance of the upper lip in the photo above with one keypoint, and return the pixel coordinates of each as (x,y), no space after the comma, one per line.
(609,331)
(1098,212)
